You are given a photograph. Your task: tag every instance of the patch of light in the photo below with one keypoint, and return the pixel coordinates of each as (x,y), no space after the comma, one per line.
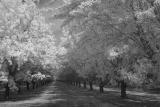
(113,53)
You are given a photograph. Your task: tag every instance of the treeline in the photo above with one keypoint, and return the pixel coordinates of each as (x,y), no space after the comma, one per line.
(14,77)
(112,41)
(28,51)
(70,76)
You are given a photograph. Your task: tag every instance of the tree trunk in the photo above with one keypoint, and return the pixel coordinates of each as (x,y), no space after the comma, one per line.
(27,84)
(76,83)
(33,85)
(118,84)
(101,89)
(7,91)
(19,89)
(36,84)
(91,85)
(123,89)
(84,84)
(79,84)
(101,85)
(70,82)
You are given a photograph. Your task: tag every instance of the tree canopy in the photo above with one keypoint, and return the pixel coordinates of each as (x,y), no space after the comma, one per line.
(119,38)
(26,39)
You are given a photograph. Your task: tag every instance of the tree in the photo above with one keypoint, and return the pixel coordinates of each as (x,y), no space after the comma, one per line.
(26,40)
(67,74)
(126,29)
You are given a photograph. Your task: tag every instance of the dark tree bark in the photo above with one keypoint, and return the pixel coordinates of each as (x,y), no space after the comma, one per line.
(118,84)
(123,89)
(18,83)
(7,91)
(91,85)
(33,84)
(73,83)
(19,89)
(36,84)
(27,85)
(79,83)
(76,83)
(84,84)
(101,86)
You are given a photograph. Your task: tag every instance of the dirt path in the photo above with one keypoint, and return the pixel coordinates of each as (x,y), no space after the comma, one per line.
(60,95)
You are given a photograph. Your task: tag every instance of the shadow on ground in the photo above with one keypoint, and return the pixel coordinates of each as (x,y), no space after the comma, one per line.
(59,94)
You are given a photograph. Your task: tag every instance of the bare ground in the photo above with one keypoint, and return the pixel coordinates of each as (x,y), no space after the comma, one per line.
(60,95)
